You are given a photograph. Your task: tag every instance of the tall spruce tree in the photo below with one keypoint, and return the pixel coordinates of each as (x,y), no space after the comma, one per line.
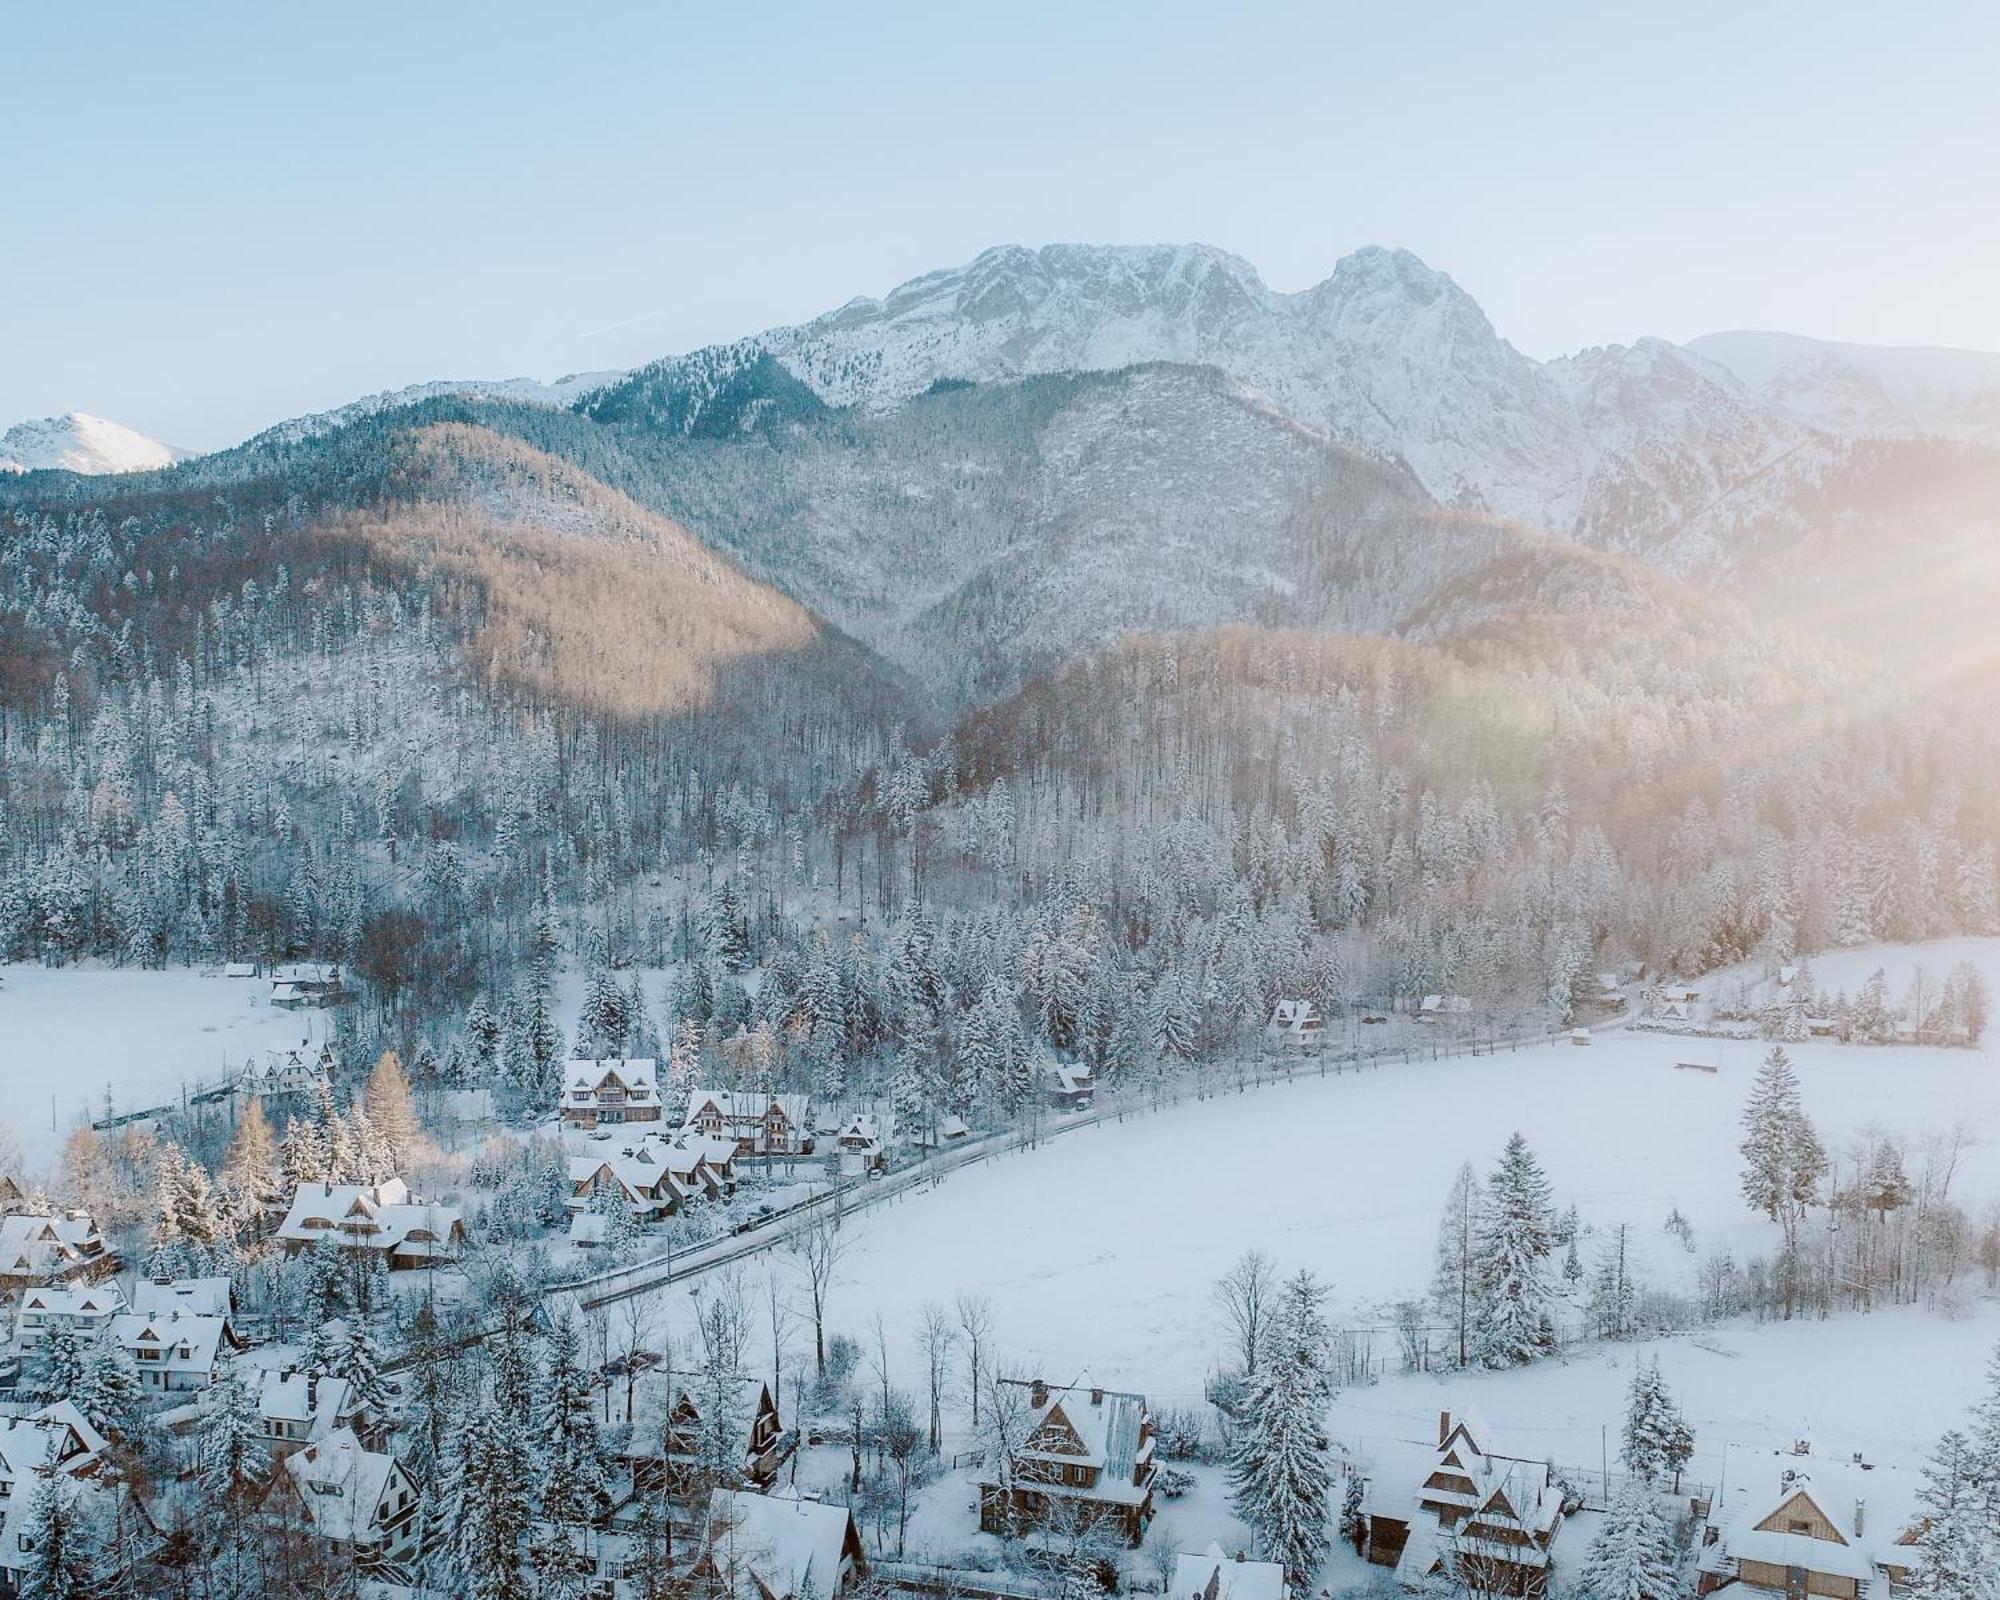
(1278,1470)
(1516,1308)
(1632,1557)
(1657,1440)
(1783,1161)
(1958,1549)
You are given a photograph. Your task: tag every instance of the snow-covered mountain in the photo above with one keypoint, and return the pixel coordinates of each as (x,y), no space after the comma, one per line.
(79,442)
(1386,355)
(561,392)
(1863,389)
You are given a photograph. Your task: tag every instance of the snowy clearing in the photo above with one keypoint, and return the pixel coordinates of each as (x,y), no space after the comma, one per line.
(1099,1249)
(68,1034)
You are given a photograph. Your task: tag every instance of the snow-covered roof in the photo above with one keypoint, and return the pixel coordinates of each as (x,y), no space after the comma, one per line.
(1768,1496)
(1211,1575)
(43,1246)
(749,1105)
(308,972)
(340,1484)
(187,1341)
(788,1546)
(635,1082)
(209,1297)
(374,1216)
(84,1301)
(55,1439)
(294,1397)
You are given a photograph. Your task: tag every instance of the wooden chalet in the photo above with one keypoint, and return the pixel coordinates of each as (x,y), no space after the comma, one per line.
(664,1452)
(367,1219)
(1792,1523)
(174,1352)
(1086,1453)
(298,1409)
(350,1495)
(1463,1512)
(777,1547)
(610,1093)
(308,984)
(1296,1023)
(36,1250)
(83,1307)
(761,1124)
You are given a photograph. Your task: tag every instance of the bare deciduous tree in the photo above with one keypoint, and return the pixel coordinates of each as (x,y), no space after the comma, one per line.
(819,1246)
(975,1326)
(935,1338)
(1245,1294)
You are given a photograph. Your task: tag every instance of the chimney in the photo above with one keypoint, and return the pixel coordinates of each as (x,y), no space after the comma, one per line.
(1038,1393)
(1096,1395)
(1444,1428)
(1860,1517)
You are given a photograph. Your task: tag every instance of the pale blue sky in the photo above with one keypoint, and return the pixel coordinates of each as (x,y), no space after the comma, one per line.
(213,216)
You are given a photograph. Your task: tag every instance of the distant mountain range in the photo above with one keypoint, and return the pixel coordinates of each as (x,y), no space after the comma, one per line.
(1000,465)
(79,442)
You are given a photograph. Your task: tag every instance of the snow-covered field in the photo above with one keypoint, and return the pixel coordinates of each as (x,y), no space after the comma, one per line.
(69,1034)
(1099,1250)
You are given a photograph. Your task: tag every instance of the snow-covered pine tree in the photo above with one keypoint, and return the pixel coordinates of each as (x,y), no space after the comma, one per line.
(1657,1440)
(1516,1311)
(303,1157)
(1278,1471)
(492,1506)
(571,1460)
(605,1020)
(1958,1550)
(1353,1524)
(61,1556)
(58,1363)
(1632,1557)
(1783,1161)
(358,1359)
(107,1391)
(231,1439)
(1984,1440)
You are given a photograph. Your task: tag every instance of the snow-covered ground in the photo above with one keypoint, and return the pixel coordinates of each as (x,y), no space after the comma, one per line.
(1099,1250)
(69,1035)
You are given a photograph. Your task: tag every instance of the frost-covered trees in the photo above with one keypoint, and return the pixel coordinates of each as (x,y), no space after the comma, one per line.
(392,1116)
(231,1439)
(1783,1161)
(1632,1557)
(1278,1470)
(1614,1289)
(1958,1549)
(1656,1441)
(107,1391)
(487,1507)
(1455,1277)
(60,1554)
(572,1464)
(1516,1308)
(58,1362)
